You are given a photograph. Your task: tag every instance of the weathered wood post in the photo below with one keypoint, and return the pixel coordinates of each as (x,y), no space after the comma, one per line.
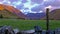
(47,20)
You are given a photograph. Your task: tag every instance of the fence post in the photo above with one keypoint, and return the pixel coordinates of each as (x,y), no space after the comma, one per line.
(47,20)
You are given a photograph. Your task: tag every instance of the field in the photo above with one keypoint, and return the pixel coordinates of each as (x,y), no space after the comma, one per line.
(29,24)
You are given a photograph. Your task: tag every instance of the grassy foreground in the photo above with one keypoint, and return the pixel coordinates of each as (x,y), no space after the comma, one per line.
(29,24)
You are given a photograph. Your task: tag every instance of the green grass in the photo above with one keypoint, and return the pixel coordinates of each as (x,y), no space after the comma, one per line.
(29,24)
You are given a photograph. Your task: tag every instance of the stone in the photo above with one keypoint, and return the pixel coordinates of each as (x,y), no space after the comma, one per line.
(38,29)
(6,30)
(57,31)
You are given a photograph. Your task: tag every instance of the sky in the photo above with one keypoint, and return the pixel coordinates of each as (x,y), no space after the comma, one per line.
(32,6)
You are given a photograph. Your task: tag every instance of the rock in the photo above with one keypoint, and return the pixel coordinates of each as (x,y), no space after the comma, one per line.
(6,30)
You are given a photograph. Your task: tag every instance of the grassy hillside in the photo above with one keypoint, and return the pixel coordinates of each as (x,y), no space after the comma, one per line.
(29,24)
(7,14)
(54,14)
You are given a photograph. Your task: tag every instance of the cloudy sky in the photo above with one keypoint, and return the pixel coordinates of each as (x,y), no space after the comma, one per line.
(32,6)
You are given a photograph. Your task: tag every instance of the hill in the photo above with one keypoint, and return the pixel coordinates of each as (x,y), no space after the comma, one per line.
(11,12)
(35,16)
(7,14)
(54,14)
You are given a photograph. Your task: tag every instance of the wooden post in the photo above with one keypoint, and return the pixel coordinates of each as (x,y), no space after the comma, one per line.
(47,20)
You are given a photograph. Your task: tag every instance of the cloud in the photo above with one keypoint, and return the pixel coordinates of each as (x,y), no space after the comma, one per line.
(13,0)
(54,3)
(34,5)
(1,0)
(37,8)
(37,1)
(20,6)
(24,1)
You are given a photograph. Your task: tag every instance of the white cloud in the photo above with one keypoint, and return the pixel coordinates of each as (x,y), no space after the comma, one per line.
(40,12)
(48,7)
(39,5)
(45,0)
(1,3)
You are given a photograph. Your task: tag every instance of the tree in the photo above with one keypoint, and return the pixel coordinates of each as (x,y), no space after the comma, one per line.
(1,16)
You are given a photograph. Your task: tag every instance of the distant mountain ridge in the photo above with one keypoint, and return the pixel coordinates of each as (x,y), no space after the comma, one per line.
(35,16)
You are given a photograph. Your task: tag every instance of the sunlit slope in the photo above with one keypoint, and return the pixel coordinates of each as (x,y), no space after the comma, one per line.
(10,10)
(7,14)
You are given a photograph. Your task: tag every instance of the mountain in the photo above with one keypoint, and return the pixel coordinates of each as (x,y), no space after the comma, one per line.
(12,10)
(35,16)
(54,14)
(7,14)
